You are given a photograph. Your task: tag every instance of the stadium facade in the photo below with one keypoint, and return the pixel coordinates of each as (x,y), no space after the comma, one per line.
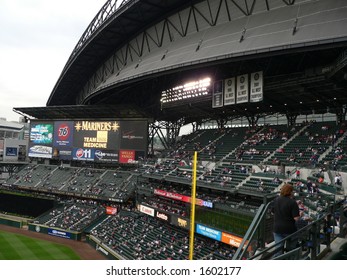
(13,145)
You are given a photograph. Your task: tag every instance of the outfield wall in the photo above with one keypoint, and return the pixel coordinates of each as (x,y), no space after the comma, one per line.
(73,235)
(103,249)
(10,222)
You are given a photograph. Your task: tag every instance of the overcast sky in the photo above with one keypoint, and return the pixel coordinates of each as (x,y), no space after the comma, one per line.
(36,39)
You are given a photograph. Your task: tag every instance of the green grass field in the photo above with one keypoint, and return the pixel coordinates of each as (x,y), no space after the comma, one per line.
(20,247)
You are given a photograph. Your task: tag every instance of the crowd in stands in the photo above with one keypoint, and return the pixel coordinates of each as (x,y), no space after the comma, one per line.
(87,182)
(167,205)
(261,144)
(314,202)
(219,200)
(74,215)
(144,238)
(136,236)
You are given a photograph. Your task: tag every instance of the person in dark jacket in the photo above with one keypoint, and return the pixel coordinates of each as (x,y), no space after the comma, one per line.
(286,213)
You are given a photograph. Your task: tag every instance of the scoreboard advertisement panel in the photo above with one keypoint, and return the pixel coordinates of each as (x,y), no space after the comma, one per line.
(41,139)
(106,155)
(97,134)
(63,136)
(133,135)
(122,141)
(83,154)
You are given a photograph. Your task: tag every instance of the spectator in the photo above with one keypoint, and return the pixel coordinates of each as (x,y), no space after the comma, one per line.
(337,179)
(309,186)
(260,184)
(297,173)
(286,213)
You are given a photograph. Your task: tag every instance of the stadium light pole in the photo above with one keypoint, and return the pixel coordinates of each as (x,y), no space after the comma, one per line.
(192,209)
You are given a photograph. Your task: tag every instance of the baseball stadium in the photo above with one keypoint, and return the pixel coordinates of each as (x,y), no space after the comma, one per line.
(172,128)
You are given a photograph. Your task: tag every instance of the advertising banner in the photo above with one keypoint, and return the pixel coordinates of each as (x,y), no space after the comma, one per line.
(111,210)
(83,154)
(11,151)
(63,134)
(209,232)
(162,216)
(183,198)
(231,239)
(40,151)
(64,153)
(180,222)
(59,233)
(126,156)
(41,133)
(106,155)
(133,135)
(204,203)
(146,210)
(41,139)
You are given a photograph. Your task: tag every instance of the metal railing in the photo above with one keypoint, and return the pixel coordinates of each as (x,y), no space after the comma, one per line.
(312,240)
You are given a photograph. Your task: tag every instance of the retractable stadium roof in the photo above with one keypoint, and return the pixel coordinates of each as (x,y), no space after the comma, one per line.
(132,50)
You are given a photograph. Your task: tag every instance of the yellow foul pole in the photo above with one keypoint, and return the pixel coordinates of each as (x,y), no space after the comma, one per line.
(192,210)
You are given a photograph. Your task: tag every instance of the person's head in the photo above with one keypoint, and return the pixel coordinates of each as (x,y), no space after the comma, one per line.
(286,190)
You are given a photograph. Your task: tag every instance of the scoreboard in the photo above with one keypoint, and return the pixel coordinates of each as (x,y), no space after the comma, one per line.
(123,141)
(245,88)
